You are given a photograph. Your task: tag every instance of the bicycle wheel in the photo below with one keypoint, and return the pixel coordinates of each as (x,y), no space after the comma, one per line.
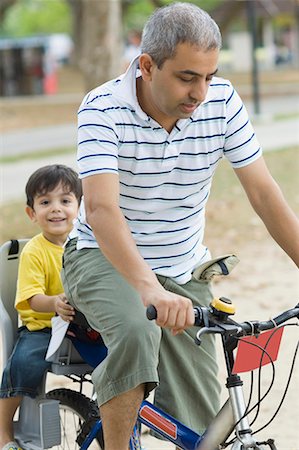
(76,411)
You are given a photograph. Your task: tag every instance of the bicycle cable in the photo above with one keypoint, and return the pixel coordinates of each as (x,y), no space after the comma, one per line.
(284,393)
(260,399)
(247,410)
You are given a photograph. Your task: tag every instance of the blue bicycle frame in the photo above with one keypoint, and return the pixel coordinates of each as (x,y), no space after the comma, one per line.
(168,427)
(160,422)
(174,431)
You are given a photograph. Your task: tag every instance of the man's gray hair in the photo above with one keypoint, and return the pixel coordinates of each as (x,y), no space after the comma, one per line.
(178,23)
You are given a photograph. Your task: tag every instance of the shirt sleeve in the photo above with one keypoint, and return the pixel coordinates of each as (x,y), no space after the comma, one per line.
(97,140)
(241,145)
(31,279)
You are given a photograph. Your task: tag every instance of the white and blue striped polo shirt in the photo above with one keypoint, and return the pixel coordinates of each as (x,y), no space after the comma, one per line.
(164,178)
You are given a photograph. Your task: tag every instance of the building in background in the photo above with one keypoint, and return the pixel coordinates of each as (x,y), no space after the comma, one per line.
(277,33)
(28,66)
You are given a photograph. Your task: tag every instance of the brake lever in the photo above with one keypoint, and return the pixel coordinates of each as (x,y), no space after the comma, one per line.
(228,329)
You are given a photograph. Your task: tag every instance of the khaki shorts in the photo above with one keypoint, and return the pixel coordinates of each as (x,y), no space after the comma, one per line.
(139,352)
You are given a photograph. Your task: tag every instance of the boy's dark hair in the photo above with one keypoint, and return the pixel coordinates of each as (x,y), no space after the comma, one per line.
(46,179)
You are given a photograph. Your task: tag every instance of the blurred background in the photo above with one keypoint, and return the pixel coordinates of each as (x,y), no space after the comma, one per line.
(97,39)
(53,51)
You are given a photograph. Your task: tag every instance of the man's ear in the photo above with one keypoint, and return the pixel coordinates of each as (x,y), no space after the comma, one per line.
(30,213)
(146,65)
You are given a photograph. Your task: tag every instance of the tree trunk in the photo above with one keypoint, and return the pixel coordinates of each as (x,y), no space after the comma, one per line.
(4,7)
(76,7)
(101,41)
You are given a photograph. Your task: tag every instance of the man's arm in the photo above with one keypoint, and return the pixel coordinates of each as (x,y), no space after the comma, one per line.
(101,198)
(269,203)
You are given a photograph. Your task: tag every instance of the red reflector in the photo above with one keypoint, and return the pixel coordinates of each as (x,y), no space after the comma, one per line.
(158,421)
(250,357)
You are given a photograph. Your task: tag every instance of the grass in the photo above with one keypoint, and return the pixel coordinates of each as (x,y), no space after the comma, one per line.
(230,218)
(294,115)
(35,155)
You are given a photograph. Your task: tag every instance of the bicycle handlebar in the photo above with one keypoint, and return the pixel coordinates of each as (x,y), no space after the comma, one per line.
(211,321)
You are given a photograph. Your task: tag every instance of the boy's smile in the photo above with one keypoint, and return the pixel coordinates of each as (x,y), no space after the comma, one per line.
(54,212)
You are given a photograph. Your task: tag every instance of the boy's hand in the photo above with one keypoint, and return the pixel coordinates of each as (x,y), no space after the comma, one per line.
(63,308)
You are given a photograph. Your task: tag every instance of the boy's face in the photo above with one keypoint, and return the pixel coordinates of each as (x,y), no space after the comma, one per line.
(54,212)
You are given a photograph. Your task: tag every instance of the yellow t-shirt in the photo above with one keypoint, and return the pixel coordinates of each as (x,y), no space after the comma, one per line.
(39,273)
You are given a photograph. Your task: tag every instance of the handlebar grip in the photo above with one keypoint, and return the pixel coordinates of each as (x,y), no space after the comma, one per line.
(151,312)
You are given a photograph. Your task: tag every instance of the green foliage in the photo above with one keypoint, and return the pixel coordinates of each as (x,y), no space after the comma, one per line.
(139,10)
(29,17)
(284,21)
(137,13)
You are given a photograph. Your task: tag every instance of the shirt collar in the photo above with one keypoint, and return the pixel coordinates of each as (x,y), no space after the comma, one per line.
(125,87)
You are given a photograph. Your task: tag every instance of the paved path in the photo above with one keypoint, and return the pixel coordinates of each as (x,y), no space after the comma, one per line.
(38,139)
(272,135)
(65,135)
(15,175)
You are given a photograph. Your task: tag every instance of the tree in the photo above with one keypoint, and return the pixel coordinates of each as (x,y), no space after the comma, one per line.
(20,18)
(96,27)
(4,7)
(100,40)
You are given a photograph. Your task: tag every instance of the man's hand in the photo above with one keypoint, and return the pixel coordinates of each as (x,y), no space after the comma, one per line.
(173,311)
(63,308)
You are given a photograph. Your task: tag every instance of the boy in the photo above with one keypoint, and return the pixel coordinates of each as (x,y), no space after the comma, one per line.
(53,197)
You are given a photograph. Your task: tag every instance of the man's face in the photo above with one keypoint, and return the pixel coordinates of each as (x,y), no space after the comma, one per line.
(181,85)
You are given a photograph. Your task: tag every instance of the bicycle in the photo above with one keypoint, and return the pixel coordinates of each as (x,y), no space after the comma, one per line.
(233,416)
(74,417)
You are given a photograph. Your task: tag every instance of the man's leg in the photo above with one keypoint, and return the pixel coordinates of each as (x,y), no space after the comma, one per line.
(114,308)
(119,416)
(189,386)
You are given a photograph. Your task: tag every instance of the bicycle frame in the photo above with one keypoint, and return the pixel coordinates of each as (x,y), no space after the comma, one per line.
(175,432)
(233,412)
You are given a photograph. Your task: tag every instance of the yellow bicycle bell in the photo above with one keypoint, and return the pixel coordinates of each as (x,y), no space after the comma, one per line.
(223,305)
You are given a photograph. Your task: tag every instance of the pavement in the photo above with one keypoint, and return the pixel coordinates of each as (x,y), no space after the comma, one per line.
(38,139)
(273,134)
(151,443)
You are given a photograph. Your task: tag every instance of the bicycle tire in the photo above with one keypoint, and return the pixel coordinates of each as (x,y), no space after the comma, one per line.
(76,411)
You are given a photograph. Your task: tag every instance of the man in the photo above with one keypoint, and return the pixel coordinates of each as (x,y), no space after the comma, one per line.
(149,143)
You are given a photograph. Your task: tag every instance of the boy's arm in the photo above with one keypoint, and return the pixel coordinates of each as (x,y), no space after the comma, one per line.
(50,303)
